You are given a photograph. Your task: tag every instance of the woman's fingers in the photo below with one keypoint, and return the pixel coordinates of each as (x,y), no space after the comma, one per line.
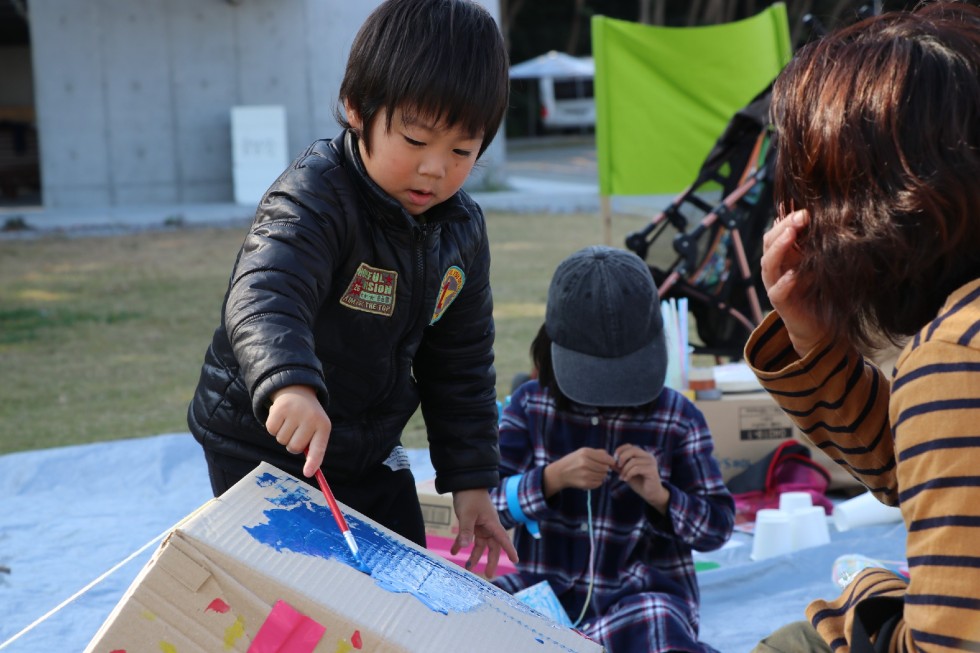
(781,254)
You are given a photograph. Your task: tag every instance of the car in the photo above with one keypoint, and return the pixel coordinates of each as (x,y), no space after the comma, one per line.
(567,102)
(565,90)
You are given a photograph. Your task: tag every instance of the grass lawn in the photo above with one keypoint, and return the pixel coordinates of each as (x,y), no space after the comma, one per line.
(102,338)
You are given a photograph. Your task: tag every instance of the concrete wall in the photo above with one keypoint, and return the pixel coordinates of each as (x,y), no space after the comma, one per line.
(133,97)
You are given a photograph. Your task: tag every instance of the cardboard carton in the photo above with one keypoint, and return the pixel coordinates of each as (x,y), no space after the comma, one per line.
(437,510)
(265,568)
(747,426)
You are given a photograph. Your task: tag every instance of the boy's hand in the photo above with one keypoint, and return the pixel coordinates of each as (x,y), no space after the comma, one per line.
(298,422)
(479,525)
(584,468)
(638,468)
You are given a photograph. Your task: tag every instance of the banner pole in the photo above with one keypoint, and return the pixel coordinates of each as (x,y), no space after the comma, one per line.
(606,208)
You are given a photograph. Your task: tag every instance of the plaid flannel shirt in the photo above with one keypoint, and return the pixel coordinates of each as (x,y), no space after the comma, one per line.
(645,595)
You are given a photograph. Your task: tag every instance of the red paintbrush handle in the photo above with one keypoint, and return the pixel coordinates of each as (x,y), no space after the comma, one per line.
(337,515)
(332,502)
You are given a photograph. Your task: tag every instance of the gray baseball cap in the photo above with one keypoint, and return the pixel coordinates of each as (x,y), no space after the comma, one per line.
(607,334)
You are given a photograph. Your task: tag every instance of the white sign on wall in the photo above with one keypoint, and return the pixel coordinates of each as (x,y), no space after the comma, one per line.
(258,142)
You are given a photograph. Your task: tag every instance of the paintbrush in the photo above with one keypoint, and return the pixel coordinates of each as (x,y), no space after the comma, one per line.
(339,517)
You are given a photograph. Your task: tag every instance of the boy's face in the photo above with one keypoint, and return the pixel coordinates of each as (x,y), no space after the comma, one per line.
(418,163)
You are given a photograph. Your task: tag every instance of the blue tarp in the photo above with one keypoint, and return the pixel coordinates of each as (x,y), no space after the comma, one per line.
(70,516)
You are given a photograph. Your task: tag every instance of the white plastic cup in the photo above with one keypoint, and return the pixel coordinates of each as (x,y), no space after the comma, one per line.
(809,527)
(864,510)
(793,501)
(773,534)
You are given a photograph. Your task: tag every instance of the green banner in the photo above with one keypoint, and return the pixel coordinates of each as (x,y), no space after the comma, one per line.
(665,94)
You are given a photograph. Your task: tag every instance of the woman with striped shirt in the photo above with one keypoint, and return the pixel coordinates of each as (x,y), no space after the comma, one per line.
(878,169)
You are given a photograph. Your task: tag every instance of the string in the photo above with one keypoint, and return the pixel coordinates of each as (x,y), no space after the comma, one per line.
(588,596)
(77,594)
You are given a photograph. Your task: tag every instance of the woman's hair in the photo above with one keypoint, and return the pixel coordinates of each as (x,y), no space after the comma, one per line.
(878,137)
(439,59)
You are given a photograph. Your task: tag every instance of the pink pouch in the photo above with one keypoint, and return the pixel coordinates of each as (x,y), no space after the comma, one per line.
(788,468)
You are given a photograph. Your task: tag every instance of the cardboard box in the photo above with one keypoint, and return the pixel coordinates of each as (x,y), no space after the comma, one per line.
(746,427)
(265,568)
(437,510)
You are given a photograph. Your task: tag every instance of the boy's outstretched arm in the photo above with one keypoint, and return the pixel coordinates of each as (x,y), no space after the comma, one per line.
(479,524)
(298,421)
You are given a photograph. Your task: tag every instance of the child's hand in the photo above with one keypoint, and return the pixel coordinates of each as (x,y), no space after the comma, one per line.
(638,468)
(780,260)
(479,525)
(298,422)
(584,468)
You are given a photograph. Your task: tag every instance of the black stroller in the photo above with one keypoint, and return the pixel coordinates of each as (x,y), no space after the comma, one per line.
(718,244)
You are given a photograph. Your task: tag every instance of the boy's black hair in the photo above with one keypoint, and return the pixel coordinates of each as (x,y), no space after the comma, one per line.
(441,59)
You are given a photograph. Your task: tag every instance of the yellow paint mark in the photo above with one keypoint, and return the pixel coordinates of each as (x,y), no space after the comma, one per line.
(234,632)
(344,647)
(167,647)
(149,616)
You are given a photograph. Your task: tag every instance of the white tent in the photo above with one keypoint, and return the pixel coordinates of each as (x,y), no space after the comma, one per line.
(553,64)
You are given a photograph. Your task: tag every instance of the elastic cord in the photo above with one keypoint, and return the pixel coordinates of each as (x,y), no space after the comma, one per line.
(85,589)
(588,596)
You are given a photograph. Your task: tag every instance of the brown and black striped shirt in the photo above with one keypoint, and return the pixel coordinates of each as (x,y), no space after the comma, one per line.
(915,443)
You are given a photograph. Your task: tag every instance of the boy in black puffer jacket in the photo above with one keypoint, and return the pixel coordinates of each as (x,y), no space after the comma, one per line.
(362,288)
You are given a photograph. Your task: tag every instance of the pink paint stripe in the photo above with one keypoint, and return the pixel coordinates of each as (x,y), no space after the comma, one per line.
(286,631)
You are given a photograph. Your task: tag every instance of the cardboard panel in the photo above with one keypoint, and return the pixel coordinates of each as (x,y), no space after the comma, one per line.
(265,564)
(437,510)
(747,426)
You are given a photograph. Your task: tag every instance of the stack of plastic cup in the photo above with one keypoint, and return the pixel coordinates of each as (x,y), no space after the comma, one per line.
(797,524)
(773,534)
(790,501)
(809,526)
(807,521)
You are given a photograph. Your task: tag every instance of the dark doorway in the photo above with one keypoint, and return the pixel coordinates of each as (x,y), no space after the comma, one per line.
(20,173)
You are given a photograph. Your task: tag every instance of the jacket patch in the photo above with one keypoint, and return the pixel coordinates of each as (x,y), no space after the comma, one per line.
(452,283)
(372,290)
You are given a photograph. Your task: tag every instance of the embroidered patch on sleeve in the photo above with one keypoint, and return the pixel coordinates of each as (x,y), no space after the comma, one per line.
(372,290)
(452,283)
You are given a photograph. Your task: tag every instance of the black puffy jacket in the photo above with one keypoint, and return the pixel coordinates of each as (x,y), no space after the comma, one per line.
(339,288)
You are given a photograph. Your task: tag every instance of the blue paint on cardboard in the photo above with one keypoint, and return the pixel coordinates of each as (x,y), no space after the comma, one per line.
(298,524)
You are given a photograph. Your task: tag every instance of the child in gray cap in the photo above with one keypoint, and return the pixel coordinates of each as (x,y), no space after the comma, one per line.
(607,476)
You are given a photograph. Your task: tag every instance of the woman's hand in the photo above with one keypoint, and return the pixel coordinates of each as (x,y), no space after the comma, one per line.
(780,261)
